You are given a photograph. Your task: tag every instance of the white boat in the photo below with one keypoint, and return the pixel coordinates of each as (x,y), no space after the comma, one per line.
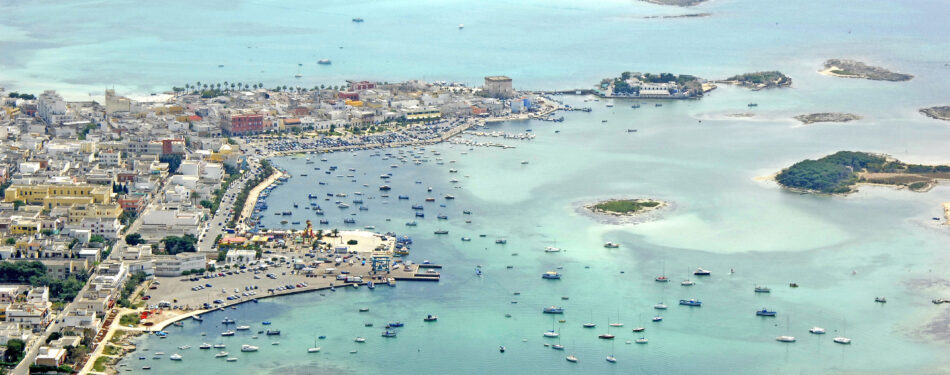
(611,245)
(551,249)
(205,346)
(461,26)
(177,357)
(324,62)
(659,306)
(243,328)
(687,282)
(221,355)
(842,340)
(360,339)
(571,358)
(611,359)
(551,334)
(817,330)
(184,347)
(313,350)
(249,348)
(785,339)
(219,346)
(232,359)
(642,340)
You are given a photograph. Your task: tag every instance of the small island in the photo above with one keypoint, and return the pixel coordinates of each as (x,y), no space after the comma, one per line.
(656,86)
(827,117)
(856,69)
(626,206)
(838,173)
(760,80)
(679,3)
(939,113)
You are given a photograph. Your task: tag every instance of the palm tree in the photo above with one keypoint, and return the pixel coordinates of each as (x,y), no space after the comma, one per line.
(336,232)
(205,86)
(232,86)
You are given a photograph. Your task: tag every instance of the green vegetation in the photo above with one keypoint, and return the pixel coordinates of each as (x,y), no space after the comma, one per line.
(134,239)
(625,206)
(836,173)
(21,96)
(129,319)
(129,287)
(110,350)
(771,78)
(100,364)
(919,185)
(842,72)
(183,244)
(173,160)
(85,131)
(685,83)
(14,350)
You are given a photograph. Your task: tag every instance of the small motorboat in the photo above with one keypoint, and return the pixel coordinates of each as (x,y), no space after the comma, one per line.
(691,302)
(571,358)
(248,348)
(177,357)
(642,340)
(551,275)
(662,279)
(842,340)
(880,299)
(638,329)
(389,333)
(589,325)
(501,349)
(232,359)
(553,310)
(611,359)
(204,346)
(360,339)
(817,330)
(611,245)
(221,354)
(660,306)
(785,339)
(551,333)
(430,318)
(762,289)
(765,312)
(657,318)
(701,272)
(605,336)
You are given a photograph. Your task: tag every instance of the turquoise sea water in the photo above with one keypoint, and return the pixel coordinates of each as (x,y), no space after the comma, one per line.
(722,217)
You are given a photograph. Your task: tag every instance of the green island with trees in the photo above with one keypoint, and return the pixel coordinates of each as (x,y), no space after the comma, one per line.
(838,173)
(687,86)
(761,80)
(625,206)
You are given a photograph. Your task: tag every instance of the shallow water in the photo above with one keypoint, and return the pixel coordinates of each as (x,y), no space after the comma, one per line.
(843,251)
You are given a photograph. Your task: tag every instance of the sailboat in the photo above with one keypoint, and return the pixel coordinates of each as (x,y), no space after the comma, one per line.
(590,324)
(687,282)
(610,357)
(314,348)
(842,339)
(639,328)
(571,358)
(786,337)
(617,323)
(551,333)
(558,346)
(607,336)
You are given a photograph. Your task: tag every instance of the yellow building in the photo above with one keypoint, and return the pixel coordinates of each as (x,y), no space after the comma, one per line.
(94,211)
(354,103)
(28,227)
(422,115)
(59,195)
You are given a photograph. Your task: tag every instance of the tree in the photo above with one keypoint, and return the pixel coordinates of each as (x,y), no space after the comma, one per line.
(184,244)
(206,203)
(10,241)
(173,160)
(14,350)
(95,238)
(17,204)
(134,239)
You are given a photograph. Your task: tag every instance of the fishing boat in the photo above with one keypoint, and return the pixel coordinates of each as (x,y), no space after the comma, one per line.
(765,312)
(551,275)
(389,333)
(249,348)
(395,325)
(691,302)
(553,310)
(430,318)
(817,330)
(611,245)
(762,289)
(701,272)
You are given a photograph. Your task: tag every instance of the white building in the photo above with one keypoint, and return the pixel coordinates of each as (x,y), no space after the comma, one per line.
(236,256)
(50,107)
(174,265)
(159,223)
(110,158)
(48,356)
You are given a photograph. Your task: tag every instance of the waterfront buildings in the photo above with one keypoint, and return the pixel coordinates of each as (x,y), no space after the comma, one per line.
(498,86)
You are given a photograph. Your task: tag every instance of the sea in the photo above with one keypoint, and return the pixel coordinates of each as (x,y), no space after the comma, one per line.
(709,158)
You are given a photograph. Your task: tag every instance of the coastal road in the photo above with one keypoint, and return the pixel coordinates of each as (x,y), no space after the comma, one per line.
(219,220)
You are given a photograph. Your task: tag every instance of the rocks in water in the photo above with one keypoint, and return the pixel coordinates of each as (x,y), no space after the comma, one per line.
(827,117)
(856,69)
(939,112)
